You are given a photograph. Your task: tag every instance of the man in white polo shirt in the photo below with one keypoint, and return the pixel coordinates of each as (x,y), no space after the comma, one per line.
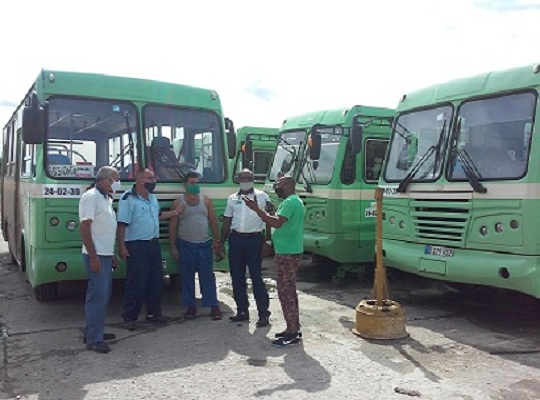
(98,231)
(243,229)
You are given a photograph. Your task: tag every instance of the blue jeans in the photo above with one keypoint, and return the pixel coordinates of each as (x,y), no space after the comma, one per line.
(197,257)
(144,279)
(246,250)
(98,294)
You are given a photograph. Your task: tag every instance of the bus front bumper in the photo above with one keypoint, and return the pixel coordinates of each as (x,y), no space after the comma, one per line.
(514,272)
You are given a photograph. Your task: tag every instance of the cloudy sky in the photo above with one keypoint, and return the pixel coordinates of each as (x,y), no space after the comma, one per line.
(273,59)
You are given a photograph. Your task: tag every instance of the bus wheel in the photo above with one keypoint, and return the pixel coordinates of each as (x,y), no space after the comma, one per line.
(46,292)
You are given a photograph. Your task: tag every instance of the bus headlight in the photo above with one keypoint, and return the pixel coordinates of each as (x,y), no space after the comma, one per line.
(498,227)
(71,226)
(61,266)
(483,230)
(402,224)
(392,220)
(54,221)
(514,224)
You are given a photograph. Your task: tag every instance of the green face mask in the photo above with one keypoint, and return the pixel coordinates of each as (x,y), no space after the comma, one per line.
(193,189)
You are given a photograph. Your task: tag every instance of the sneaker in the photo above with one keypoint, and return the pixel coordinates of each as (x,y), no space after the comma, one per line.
(106,336)
(157,319)
(99,347)
(240,317)
(215,313)
(191,313)
(286,340)
(281,334)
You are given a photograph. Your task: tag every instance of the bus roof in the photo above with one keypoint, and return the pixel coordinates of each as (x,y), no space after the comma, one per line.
(487,83)
(242,132)
(122,88)
(342,116)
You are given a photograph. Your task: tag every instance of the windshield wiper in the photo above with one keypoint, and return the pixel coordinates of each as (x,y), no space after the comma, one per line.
(471,171)
(433,168)
(402,188)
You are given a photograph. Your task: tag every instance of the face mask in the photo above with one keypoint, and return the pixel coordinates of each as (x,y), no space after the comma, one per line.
(116,186)
(193,189)
(150,186)
(246,186)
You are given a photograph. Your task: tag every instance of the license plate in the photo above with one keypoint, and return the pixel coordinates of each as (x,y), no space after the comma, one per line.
(439,251)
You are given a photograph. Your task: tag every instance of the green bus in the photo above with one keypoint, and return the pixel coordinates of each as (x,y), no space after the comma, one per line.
(255,150)
(336,157)
(69,125)
(460,182)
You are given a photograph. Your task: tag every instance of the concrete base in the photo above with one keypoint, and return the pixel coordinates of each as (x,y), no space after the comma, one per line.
(380,322)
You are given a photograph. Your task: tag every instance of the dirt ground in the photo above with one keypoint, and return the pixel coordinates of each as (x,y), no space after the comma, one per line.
(473,346)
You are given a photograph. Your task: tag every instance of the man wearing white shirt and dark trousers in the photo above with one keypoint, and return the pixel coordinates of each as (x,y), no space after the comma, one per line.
(244,230)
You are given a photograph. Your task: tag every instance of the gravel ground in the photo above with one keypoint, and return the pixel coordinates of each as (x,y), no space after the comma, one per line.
(460,347)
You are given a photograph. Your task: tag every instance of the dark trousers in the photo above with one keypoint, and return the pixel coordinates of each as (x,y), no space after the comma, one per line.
(144,279)
(246,251)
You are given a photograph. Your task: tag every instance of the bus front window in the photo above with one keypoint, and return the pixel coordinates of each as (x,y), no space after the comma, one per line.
(418,143)
(84,135)
(320,171)
(494,137)
(290,144)
(182,140)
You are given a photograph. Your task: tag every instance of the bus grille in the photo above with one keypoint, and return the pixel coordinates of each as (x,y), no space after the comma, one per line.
(440,221)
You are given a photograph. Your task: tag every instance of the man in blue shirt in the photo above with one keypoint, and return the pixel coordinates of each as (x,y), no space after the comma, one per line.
(138,240)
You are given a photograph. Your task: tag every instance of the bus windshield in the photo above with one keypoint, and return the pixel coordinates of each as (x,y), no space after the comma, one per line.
(417,147)
(494,137)
(290,144)
(84,135)
(320,171)
(181,140)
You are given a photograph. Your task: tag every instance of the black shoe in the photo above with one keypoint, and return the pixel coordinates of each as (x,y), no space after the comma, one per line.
(191,313)
(99,347)
(129,325)
(262,322)
(157,319)
(106,336)
(239,317)
(286,340)
(281,334)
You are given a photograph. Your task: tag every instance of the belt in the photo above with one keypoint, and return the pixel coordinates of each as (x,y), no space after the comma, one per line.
(143,240)
(247,234)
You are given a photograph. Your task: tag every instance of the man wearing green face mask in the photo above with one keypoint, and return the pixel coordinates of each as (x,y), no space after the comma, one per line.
(192,246)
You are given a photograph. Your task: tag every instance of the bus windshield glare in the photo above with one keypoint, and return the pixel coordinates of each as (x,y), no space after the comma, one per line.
(418,143)
(83,135)
(494,135)
(182,140)
(320,171)
(287,153)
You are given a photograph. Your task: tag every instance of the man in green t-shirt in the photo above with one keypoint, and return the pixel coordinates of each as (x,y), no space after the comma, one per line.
(288,239)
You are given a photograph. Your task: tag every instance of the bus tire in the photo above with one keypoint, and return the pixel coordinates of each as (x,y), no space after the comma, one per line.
(23,256)
(46,292)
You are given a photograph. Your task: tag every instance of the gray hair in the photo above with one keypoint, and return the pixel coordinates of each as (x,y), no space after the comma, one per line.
(106,172)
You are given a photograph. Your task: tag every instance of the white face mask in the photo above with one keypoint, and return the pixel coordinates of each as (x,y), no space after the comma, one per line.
(116,186)
(246,186)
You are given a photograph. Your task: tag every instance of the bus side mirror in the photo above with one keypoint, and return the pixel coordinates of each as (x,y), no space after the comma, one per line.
(231,138)
(33,121)
(248,151)
(355,139)
(315,145)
